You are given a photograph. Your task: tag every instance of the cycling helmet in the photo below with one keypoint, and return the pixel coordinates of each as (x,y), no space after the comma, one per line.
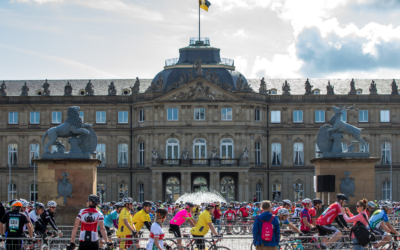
(283,211)
(113,202)
(127,200)
(306,201)
(159,201)
(17,203)
(24,202)
(38,205)
(12,201)
(94,198)
(119,204)
(342,197)
(257,203)
(317,201)
(189,204)
(105,207)
(51,204)
(161,212)
(286,202)
(371,204)
(386,204)
(210,205)
(146,204)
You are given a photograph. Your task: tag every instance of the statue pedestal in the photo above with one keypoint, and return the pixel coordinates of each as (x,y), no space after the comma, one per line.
(361,169)
(61,176)
(243,161)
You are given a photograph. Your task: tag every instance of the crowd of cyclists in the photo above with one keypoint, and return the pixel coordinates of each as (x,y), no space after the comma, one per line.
(99,221)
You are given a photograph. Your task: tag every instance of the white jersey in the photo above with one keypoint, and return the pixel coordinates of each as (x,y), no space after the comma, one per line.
(155,231)
(297,212)
(33,216)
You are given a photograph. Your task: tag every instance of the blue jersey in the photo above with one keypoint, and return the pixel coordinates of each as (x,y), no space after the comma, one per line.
(255,211)
(377,217)
(109,219)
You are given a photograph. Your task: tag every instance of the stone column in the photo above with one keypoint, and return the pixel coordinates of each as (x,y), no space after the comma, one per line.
(217,182)
(153,186)
(246,187)
(183,180)
(241,185)
(160,187)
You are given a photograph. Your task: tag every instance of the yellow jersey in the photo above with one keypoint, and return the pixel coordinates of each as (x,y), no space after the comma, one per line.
(201,228)
(139,218)
(122,229)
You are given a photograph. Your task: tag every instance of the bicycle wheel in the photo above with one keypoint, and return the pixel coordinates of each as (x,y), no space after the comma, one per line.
(236,228)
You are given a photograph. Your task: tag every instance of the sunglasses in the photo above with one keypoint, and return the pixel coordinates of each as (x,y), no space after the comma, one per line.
(53,207)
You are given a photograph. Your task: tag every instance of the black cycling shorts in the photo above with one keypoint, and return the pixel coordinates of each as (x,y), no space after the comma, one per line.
(176,230)
(377,231)
(326,230)
(88,245)
(199,241)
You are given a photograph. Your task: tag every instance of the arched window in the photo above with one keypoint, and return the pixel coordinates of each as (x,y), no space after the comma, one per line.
(200,150)
(101,192)
(12,155)
(122,191)
(298,191)
(258,191)
(122,155)
(226,150)
(12,191)
(276,191)
(276,154)
(172,189)
(298,154)
(33,192)
(200,184)
(228,188)
(172,150)
(141,192)
(386,190)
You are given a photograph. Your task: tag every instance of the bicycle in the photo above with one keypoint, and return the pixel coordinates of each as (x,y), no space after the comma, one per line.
(189,243)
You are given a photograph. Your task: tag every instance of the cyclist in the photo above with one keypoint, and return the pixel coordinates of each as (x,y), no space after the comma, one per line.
(203,225)
(89,218)
(104,209)
(156,231)
(230,217)
(313,211)
(371,208)
(126,229)
(34,216)
(256,210)
(243,213)
(181,217)
(324,222)
(48,216)
(112,219)
(376,220)
(283,216)
(305,217)
(14,222)
(297,211)
(286,204)
(24,210)
(142,218)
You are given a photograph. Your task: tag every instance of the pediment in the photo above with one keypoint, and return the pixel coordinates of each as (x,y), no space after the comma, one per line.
(199,90)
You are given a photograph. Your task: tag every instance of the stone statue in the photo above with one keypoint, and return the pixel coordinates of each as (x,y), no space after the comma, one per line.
(353,90)
(191,76)
(152,87)
(89,88)
(245,154)
(330,89)
(46,87)
(25,90)
(308,87)
(3,88)
(160,83)
(208,75)
(263,87)
(239,83)
(372,89)
(330,135)
(135,88)
(286,88)
(395,90)
(351,148)
(82,138)
(111,89)
(214,153)
(197,65)
(60,147)
(185,154)
(227,86)
(247,87)
(154,154)
(68,89)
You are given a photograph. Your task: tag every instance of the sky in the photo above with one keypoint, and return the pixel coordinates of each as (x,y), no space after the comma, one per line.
(103,39)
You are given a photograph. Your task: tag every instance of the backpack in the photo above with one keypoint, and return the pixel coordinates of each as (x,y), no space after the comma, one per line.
(267,230)
(362,234)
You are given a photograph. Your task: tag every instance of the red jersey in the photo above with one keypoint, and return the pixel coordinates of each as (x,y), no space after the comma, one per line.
(275,212)
(89,218)
(312,212)
(330,214)
(305,213)
(244,212)
(230,214)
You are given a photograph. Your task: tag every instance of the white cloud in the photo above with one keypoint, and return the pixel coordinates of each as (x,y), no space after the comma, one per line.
(36,1)
(226,5)
(240,64)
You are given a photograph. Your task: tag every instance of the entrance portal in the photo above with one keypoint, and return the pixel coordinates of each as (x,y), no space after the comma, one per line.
(200,184)
(172,189)
(228,188)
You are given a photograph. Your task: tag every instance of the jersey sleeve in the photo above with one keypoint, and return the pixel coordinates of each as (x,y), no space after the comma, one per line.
(385,217)
(79,217)
(101,217)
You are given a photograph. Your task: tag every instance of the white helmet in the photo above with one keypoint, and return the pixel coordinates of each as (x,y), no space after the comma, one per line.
(24,202)
(386,204)
(127,200)
(306,201)
(283,211)
(286,202)
(51,204)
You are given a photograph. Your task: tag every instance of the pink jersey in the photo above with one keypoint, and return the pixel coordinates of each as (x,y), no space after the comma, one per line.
(180,217)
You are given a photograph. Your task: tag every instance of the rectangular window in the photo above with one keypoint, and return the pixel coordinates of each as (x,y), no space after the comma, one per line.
(386,190)
(141,192)
(258,191)
(199,114)
(173,114)
(257,115)
(100,116)
(343,118)
(81,115)
(319,115)
(35,117)
(12,191)
(318,154)
(141,154)
(12,117)
(56,117)
(122,116)
(364,148)
(386,156)
(122,155)
(363,115)
(226,114)
(12,155)
(258,154)
(276,116)
(298,116)
(298,154)
(385,116)
(33,154)
(276,154)
(101,154)
(141,115)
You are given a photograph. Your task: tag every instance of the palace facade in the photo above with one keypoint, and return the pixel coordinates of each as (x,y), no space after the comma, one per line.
(192,127)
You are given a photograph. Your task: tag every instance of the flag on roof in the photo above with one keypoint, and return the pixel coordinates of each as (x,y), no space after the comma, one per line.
(204,4)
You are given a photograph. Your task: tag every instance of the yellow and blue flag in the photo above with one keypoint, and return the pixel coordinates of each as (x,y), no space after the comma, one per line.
(204,4)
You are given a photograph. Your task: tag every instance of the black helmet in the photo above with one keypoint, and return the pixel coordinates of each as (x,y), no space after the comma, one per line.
(113,202)
(317,201)
(342,197)
(38,205)
(105,207)
(146,204)
(189,204)
(162,212)
(94,198)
